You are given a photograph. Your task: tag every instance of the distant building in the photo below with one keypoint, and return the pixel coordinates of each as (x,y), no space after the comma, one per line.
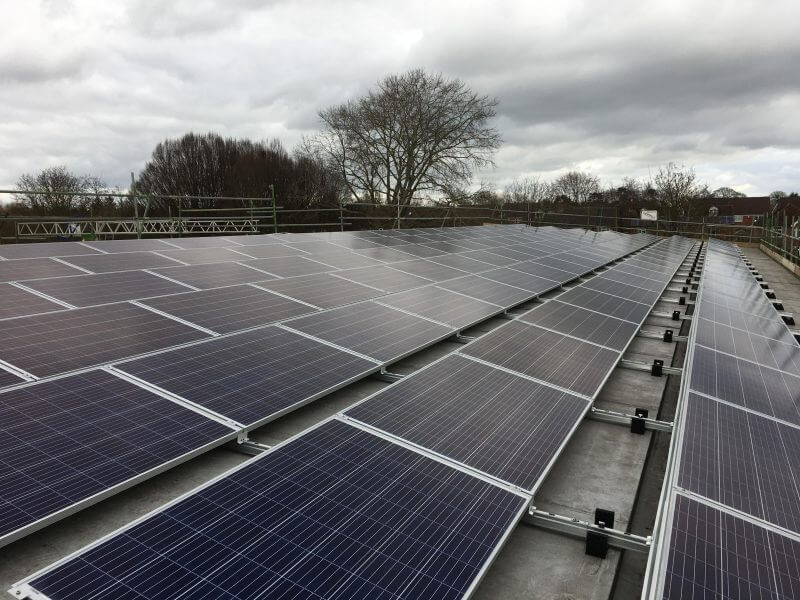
(744,210)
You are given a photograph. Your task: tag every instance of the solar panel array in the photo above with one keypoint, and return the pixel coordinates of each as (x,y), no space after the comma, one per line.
(346,508)
(731,523)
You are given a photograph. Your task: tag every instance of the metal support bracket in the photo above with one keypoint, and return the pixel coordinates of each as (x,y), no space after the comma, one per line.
(647,368)
(658,335)
(248,447)
(580,529)
(666,315)
(618,418)
(384,375)
(463,339)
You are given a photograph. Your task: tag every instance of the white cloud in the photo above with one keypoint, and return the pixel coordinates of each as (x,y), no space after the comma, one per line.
(618,87)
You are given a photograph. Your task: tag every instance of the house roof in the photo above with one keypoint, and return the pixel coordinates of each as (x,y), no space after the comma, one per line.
(749,205)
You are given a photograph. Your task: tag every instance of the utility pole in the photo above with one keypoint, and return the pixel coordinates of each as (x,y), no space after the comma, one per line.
(135,207)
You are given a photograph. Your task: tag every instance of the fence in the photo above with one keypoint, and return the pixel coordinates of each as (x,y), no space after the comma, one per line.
(234,215)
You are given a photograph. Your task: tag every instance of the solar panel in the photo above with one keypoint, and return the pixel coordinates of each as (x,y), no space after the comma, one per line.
(131,245)
(106,263)
(546,356)
(634,280)
(322,290)
(603,283)
(337,512)
(421,251)
(783,355)
(272,251)
(384,278)
(446,246)
(488,256)
(429,270)
(511,253)
(718,555)
(660,275)
(383,333)
(460,261)
(487,290)
(76,339)
(215,275)
(7,378)
(229,309)
(15,302)
(531,283)
(498,423)
(584,297)
(88,290)
(290,266)
(383,254)
(252,376)
(200,256)
(69,441)
(44,250)
(210,242)
(584,324)
(552,273)
(33,268)
(564,265)
(743,460)
(443,306)
(344,259)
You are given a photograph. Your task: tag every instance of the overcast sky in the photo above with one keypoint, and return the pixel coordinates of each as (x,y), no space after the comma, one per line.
(616,88)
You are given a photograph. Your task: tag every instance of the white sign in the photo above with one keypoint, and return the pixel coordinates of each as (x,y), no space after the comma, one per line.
(649,215)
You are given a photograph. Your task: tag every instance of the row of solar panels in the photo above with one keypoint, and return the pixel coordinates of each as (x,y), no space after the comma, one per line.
(409,494)
(72,439)
(731,525)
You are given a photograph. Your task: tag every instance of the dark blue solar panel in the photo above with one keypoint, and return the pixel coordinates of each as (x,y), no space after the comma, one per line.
(336,513)
(65,440)
(253,375)
(504,425)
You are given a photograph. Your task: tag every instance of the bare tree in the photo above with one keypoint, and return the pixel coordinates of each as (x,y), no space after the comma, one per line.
(676,186)
(415,133)
(527,190)
(577,186)
(57,190)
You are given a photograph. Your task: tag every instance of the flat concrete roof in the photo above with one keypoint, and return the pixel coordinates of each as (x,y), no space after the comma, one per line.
(604,465)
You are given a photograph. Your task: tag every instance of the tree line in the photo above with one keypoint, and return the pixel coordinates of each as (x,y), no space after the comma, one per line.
(416,138)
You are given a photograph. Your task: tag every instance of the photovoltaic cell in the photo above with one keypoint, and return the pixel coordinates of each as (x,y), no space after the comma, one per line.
(384,278)
(290,266)
(215,275)
(429,270)
(747,384)
(460,261)
(88,290)
(271,251)
(106,263)
(487,290)
(33,268)
(383,254)
(488,256)
(44,250)
(76,339)
(582,296)
(337,512)
(251,376)
(344,259)
(634,280)
(66,440)
(547,356)
(440,305)
(601,283)
(581,323)
(501,424)
(421,251)
(531,283)
(552,273)
(7,378)
(15,302)
(322,290)
(383,333)
(229,309)
(742,460)
(716,555)
(134,245)
(562,264)
(200,256)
